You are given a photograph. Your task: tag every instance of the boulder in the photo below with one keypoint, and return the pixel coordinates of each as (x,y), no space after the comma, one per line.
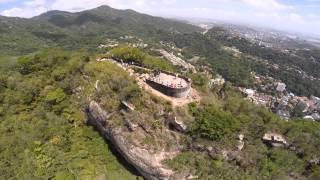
(240,145)
(281,87)
(178,125)
(96,86)
(315,161)
(192,177)
(316,116)
(128,106)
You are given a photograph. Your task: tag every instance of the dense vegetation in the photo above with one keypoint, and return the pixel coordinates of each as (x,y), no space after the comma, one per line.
(90,28)
(85,29)
(213,123)
(43,96)
(232,68)
(296,66)
(135,55)
(218,122)
(42,126)
(272,55)
(291,64)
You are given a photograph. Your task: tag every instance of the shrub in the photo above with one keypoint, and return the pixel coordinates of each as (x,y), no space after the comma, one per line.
(213,123)
(56,96)
(128,54)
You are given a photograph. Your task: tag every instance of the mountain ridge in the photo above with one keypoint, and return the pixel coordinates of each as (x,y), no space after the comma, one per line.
(90,27)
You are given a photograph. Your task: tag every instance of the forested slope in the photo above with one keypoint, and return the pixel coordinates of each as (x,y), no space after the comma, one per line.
(44,134)
(42,126)
(85,29)
(44,93)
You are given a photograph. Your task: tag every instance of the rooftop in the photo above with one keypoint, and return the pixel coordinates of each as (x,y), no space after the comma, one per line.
(169,80)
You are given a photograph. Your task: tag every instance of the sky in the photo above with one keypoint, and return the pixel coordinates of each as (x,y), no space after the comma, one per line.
(302,16)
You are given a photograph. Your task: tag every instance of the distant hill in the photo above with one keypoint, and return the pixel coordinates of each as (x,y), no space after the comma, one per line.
(297,65)
(19,36)
(58,28)
(105,16)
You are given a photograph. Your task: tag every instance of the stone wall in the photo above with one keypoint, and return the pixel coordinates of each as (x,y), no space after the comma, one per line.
(169,91)
(173,92)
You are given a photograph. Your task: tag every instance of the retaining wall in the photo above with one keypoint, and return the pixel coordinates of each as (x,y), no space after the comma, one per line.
(169,91)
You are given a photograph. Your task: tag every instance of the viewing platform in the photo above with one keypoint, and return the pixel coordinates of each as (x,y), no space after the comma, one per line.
(170,84)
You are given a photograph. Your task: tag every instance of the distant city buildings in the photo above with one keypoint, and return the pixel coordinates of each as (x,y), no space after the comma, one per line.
(272,94)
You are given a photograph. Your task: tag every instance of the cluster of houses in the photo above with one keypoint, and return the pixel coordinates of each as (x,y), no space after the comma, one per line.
(295,106)
(272,94)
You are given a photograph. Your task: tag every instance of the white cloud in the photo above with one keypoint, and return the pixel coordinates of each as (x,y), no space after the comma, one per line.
(79,5)
(141,5)
(6,1)
(168,2)
(28,9)
(267,4)
(35,3)
(23,12)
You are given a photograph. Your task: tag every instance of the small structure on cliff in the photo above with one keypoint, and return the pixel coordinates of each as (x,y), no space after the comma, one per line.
(170,84)
(275,140)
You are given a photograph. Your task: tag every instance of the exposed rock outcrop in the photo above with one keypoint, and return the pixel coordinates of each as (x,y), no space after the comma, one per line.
(147,163)
(178,125)
(177,61)
(240,145)
(275,140)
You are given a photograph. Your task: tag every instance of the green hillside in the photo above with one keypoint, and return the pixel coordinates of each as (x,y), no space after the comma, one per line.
(49,74)
(43,98)
(42,122)
(85,29)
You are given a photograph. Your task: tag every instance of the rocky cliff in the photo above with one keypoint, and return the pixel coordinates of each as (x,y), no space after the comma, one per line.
(146,162)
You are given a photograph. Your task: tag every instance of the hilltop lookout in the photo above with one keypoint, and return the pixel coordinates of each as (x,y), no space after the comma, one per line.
(172,87)
(170,84)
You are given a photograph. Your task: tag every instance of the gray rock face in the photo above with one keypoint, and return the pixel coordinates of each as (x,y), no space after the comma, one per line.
(240,145)
(281,87)
(178,125)
(147,163)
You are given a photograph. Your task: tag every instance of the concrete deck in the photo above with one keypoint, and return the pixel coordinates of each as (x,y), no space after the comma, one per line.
(170,81)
